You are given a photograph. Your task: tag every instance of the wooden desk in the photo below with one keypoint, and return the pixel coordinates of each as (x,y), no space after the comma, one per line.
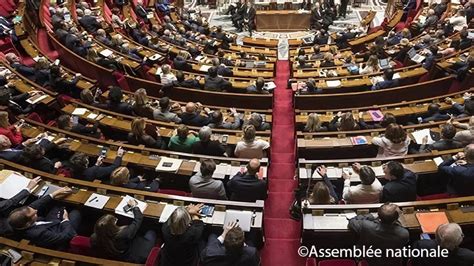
(282,20)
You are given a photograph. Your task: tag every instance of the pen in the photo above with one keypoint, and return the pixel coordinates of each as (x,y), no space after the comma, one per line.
(94,198)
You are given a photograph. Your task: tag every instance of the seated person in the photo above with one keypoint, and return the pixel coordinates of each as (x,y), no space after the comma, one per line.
(434,114)
(7,204)
(217,120)
(138,135)
(78,166)
(207,146)
(250,147)
(58,83)
(343,122)
(401,185)
(141,11)
(371,66)
(448,131)
(16,104)
(167,77)
(460,176)
(393,143)
(465,109)
(314,124)
(214,82)
(382,232)
(447,236)
(316,55)
(180,63)
(186,83)
(388,118)
(465,136)
(323,192)
(202,184)
(328,60)
(53,230)
(369,189)
(311,86)
(14,61)
(33,155)
(193,116)
(181,236)
(257,88)
(388,81)
(163,113)
(183,140)
(122,242)
(7,152)
(256,120)
(302,63)
(141,106)
(222,69)
(247,186)
(89,22)
(68,123)
(115,103)
(121,177)
(229,249)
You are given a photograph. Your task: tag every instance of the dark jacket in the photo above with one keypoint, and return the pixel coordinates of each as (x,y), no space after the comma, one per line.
(194,119)
(6,206)
(55,235)
(215,254)
(441,145)
(460,177)
(216,84)
(400,190)
(244,187)
(180,63)
(211,148)
(89,23)
(123,108)
(181,250)
(94,172)
(146,140)
(457,257)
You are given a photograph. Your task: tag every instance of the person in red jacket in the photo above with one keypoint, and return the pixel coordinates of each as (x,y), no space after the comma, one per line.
(12,132)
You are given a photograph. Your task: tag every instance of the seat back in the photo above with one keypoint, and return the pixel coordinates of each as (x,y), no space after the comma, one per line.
(81,245)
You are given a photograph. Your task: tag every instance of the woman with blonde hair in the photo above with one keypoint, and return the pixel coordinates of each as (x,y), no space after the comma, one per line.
(12,132)
(138,136)
(141,107)
(314,124)
(181,236)
(121,177)
(371,66)
(328,60)
(393,143)
(250,147)
(122,242)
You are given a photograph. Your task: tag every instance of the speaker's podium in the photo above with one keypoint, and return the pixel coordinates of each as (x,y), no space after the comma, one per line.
(282,20)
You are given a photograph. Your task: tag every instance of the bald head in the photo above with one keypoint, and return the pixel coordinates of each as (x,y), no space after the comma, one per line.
(388,213)
(449,236)
(12,58)
(190,107)
(253,167)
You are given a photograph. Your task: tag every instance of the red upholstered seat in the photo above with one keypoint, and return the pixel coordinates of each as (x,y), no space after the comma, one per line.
(81,245)
(434,196)
(174,192)
(311,262)
(338,262)
(153,257)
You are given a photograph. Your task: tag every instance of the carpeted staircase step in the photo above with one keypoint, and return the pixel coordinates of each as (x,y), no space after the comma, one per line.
(282,252)
(282,171)
(279,157)
(281,228)
(277,204)
(282,185)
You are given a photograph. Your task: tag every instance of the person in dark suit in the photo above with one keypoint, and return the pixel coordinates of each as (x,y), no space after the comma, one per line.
(121,177)
(7,204)
(222,69)
(115,104)
(92,130)
(186,83)
(17,104)
(6,152)
(192,116)
(14,61)
(141,11)
(465,42)
(181,236)
(316,18)
(89,22)
(238,17)
(122,242)
(207,146)
(460,176)
(214,82)
(382,232)
(448,131)
(54,230)
(102,37)
(78,166)
(434,114)
(401,184)
(463,110)
(249,17)
(448,236)
(388,81)
(229,249)
(61,85)
(138,135)
(343,8)
(180,63)
(246,186)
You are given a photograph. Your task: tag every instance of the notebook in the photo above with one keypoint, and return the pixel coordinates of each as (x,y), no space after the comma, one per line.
(119,210)
(167,211)
(37,98)
(330,222)
(420,134)
(376,115)
(359,140)
(106,53)
(167,164)
(12,185)
(243,218)
(384,63)
(97,201)
(430,221)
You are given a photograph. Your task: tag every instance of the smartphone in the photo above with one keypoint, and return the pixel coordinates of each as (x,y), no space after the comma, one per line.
(103,152)
(75,120)
(224,139)
(167,164)
(425,236)
(127,208)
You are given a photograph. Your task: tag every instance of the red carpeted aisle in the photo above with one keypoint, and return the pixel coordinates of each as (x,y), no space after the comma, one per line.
(282,234)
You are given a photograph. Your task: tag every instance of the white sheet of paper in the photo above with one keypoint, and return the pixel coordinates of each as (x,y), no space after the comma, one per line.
(438,160)
(106,53)
(204,68)
(175,164)
(97,201)
(330,222)
(12,185)
(308,222)
(420,134)
(333,83)
(36,99)
(79,111)
(119,210)
(166,213)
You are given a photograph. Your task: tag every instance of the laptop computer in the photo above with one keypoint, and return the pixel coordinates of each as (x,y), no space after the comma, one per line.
(243,218)
(415,57)
(384,63)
